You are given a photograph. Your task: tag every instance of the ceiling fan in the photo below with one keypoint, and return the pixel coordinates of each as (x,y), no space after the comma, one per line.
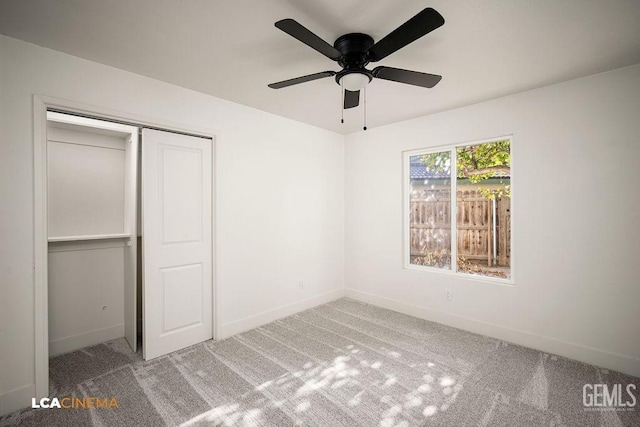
(354,51)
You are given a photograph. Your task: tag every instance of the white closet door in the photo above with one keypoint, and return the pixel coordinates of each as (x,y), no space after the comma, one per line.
(177,241)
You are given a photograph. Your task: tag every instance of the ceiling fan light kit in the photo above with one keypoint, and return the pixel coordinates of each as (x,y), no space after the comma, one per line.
(354,51)
(354,81)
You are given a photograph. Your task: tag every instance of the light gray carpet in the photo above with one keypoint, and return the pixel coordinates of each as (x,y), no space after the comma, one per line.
(340,364)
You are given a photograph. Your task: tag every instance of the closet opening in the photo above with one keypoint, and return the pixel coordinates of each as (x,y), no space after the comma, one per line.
(93,229)
(125,237)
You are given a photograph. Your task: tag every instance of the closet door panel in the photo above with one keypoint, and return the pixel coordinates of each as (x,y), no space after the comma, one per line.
(181,195)
(177,241)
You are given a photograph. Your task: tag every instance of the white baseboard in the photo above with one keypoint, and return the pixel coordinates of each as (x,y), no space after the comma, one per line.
(237,326)
(593,356)
(67,344)
(17,399)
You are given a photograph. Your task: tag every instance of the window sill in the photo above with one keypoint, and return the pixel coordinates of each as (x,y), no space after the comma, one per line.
(473,277)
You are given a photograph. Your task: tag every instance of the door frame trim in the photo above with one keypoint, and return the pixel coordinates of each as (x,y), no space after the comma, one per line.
(41,104)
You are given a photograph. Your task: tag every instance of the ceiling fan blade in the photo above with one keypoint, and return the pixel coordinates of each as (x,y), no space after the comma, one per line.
(295,29)
(351,98)
(423,23)
(303,79)
(409,77)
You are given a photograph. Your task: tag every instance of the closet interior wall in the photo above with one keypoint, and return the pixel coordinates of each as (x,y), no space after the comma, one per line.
(92,232)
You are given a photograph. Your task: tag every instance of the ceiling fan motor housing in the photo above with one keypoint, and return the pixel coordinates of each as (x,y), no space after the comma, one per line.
(354,50)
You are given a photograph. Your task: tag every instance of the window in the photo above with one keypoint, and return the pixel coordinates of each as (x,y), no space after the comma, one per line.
(473,238)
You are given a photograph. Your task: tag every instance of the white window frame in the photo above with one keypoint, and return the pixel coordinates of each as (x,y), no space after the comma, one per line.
(406,156)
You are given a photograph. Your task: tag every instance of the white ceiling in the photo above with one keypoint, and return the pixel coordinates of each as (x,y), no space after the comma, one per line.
(231,49)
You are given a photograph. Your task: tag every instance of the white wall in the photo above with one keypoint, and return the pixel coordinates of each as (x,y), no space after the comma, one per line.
(279,213)
(575,217)
(86,183)
(86,293)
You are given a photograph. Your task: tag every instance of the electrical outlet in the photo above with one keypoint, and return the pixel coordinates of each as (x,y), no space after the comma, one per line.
(300,284)
(448,295)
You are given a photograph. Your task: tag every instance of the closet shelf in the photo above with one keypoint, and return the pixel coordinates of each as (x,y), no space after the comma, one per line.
(89,237)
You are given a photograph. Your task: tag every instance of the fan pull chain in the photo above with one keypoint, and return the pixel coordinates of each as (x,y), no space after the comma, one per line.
(365,107)
(342,105)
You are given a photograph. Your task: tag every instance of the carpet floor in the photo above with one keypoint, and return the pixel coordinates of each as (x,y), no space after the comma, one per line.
(340,364)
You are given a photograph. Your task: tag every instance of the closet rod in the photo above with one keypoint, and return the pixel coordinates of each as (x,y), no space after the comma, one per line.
(123,122)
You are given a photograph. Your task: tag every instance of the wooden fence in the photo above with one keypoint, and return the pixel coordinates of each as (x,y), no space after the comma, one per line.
(430,225)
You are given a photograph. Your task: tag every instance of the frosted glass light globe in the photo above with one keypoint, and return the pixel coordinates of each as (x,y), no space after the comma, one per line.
(354,81)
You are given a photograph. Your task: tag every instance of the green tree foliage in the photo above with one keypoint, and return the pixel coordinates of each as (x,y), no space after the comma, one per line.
(476,163)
